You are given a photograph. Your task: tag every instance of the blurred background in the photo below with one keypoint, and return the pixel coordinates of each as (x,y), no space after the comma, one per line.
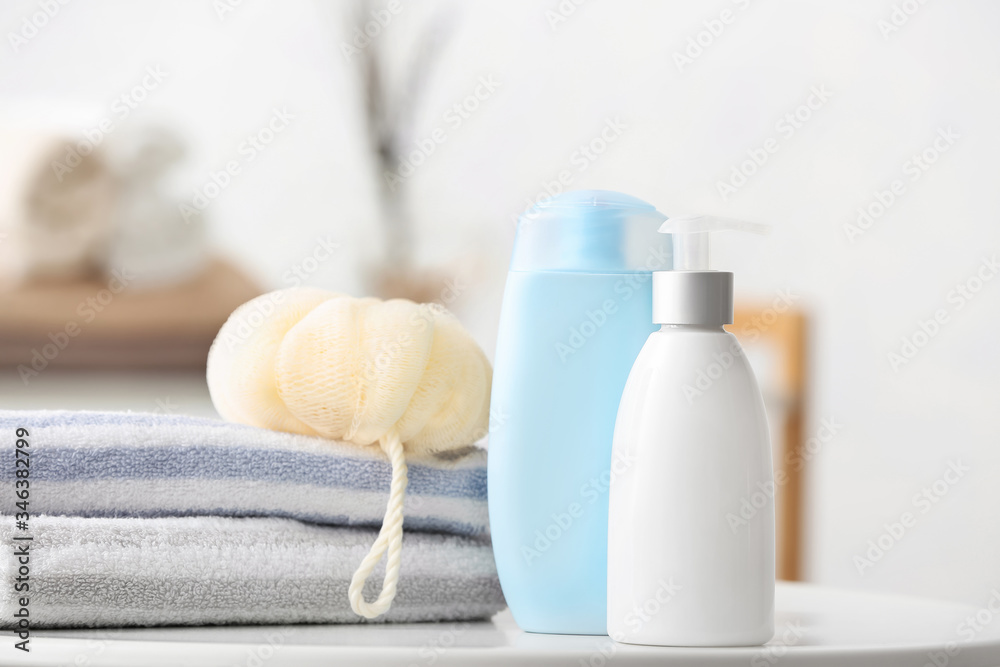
(162,162)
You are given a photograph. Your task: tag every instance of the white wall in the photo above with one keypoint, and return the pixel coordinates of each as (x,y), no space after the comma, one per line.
(685,131)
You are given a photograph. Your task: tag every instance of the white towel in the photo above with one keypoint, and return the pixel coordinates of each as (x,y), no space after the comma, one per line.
(56,204)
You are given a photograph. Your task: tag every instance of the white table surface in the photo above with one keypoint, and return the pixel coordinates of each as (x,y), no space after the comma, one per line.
(815,626)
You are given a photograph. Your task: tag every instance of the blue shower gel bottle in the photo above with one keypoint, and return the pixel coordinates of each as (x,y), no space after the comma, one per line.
(576,311)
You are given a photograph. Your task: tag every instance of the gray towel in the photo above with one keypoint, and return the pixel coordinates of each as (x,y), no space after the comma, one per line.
(94,572)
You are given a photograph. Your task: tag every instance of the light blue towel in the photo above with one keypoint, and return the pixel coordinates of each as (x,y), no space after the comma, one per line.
(110,464)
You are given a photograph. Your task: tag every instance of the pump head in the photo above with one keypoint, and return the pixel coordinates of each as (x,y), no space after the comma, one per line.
(693,294)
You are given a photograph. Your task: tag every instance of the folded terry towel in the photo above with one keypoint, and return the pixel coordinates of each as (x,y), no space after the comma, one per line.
(112,464)
(92,572)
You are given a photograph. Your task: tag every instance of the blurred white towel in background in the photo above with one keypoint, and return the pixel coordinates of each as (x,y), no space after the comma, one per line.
(54,224)
(81,201)
(150,234)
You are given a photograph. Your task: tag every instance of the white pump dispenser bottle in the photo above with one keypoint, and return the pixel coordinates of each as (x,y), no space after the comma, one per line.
(684,568)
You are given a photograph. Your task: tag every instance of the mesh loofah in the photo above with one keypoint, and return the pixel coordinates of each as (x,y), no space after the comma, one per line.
(241,361)
(408,377)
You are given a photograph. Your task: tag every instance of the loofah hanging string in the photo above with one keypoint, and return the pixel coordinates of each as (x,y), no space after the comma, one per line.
(390,538)
(405,375)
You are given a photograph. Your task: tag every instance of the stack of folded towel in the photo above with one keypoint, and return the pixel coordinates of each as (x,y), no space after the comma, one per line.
(141,519)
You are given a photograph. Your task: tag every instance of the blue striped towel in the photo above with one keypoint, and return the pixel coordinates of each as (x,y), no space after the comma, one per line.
(113,464)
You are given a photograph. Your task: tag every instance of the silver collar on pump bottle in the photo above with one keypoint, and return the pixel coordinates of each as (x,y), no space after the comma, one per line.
(693,294)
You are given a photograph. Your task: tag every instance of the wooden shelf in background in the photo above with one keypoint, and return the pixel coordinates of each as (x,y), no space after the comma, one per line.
(155,328)
(788,333)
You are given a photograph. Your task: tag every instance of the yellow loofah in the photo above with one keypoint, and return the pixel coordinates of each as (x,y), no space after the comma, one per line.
(406,376)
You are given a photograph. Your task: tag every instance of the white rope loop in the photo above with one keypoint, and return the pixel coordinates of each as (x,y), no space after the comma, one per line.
(390,538)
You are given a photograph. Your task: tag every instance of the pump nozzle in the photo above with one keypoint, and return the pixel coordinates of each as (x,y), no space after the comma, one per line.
(693,294)
(691,245)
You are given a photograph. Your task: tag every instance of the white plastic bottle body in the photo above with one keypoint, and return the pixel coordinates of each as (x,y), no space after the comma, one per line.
(688,565)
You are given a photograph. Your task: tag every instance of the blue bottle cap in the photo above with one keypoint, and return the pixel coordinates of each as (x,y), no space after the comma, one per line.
(593,231)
